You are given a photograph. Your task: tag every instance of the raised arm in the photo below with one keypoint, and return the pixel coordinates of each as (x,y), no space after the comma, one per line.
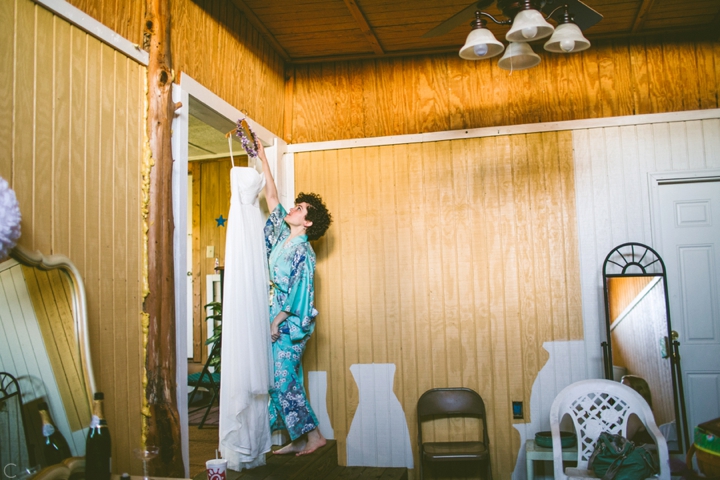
(271,193)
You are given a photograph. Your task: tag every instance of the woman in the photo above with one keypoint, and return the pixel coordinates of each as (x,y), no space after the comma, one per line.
(291,262)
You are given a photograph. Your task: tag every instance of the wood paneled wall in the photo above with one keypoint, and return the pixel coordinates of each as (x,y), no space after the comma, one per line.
(213,42)
(223,52)
(397,96)
(125,18)
(453,260)
(71,134)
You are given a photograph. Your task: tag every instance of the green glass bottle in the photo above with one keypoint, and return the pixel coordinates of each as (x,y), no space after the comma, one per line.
(98,451)
(56,448)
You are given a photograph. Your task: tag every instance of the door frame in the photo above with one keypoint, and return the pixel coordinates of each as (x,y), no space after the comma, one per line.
(188,87)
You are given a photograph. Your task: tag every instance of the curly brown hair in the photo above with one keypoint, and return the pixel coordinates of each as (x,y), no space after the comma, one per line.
(317,213)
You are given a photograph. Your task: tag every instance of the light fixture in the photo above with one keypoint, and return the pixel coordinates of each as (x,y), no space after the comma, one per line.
(527,25)
(518,56)
(567,37)
(480,43)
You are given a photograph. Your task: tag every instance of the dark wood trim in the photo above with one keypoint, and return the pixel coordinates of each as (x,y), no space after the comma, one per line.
(642,15)
(372,56)
(364,26)
(692,33)
(715,27)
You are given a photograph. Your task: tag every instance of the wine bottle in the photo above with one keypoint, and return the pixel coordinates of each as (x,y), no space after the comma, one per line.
(56,448)
(98,461)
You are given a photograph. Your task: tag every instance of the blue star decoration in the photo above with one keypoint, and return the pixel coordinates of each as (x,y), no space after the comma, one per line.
(221,221)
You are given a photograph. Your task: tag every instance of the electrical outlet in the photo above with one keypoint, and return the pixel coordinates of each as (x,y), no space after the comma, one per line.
(210,253)
(517,410)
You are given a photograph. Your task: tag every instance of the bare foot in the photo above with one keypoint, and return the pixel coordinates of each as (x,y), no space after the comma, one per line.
(315,441)
(293,447)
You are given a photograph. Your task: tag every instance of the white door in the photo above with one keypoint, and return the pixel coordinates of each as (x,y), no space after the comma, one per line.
(689,217)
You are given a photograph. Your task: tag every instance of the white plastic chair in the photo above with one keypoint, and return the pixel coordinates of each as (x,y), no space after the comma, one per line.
(597,406)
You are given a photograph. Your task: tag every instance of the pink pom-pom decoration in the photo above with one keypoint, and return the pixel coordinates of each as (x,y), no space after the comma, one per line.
(9,219)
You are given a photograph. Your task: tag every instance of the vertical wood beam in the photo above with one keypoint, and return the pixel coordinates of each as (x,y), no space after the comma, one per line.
(162,419)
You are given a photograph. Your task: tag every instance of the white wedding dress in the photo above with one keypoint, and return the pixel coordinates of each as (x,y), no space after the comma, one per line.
(246,346)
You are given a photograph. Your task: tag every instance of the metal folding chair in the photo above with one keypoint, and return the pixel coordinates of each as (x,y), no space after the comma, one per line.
(453,402)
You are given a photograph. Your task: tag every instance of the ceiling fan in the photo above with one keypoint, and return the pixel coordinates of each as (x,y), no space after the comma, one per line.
(582,15)
(528,20)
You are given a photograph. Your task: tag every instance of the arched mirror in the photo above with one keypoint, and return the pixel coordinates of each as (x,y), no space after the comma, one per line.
(44,345)
(640,341)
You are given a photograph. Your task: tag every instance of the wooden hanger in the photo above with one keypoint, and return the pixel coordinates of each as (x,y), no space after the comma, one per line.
(245,126)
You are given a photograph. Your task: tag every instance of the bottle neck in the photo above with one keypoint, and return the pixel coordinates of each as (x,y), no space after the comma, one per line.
(47,426)
(98,418)
(98,409)
(45,417)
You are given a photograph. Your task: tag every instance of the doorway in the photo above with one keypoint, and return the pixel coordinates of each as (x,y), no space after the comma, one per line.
(198,140)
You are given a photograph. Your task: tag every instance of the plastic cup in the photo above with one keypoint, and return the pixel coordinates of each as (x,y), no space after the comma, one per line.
(216,469)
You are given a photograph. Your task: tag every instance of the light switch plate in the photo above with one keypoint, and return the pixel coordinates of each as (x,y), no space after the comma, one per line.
(210,253)
(517,408)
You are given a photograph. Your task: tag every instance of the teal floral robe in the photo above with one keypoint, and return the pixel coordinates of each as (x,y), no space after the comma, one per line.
(291,268)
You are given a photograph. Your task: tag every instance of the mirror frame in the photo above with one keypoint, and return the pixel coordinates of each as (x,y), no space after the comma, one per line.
(79,303)
(643,261)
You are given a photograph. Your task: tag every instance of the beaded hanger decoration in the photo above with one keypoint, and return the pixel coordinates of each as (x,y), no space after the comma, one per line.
(245,133)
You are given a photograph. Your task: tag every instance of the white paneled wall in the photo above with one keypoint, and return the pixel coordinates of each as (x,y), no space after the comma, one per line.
(612,167)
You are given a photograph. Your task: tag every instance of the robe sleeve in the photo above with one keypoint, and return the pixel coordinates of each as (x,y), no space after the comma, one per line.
(299,302)
(274,228)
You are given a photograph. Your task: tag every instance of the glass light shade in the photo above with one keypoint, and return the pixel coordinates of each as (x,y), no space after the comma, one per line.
(478,40)
(567,35)
(518,56)
(528,25)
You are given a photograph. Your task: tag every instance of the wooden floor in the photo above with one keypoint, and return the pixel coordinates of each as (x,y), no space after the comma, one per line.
(319,465)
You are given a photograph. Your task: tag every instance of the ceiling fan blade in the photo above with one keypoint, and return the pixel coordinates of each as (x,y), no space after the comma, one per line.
(453,22)
(583,16)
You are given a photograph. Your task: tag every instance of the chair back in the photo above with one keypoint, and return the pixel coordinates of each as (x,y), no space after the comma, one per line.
(450,401)
(447,402)
(597,406)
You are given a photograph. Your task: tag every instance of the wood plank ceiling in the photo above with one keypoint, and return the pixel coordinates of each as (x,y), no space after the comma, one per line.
(304,31)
